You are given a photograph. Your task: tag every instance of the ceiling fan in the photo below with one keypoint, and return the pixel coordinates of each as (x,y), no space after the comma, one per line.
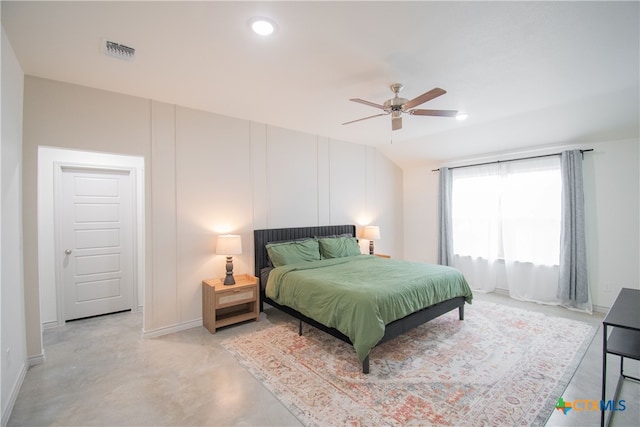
(396,106)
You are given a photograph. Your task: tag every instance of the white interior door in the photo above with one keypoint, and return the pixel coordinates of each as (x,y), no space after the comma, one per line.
(96,237)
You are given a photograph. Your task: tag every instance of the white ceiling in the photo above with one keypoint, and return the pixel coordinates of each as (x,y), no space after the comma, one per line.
(528,73)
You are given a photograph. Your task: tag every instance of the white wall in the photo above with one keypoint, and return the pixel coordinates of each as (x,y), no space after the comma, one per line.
(292,178)
(13,349)
(612,193)
(207,174)
(612,218)
(385,203)
(421,214)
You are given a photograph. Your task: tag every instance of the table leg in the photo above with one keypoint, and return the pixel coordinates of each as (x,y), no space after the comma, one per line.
(604,372)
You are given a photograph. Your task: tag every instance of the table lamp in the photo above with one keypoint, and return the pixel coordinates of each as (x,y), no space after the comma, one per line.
(371,233)
(229,244)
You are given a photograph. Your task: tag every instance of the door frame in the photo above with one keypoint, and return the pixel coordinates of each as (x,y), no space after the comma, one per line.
(59,170)
(51,162)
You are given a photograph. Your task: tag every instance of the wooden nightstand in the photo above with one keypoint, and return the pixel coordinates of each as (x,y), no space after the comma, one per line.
(224,305)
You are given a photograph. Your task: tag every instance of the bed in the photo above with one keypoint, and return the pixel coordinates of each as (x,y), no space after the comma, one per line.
(382,298)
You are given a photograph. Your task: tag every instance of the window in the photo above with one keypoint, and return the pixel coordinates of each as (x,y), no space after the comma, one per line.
(501,225)
(508,211)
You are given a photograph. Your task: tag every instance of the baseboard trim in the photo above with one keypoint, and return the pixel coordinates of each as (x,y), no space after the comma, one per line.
(505,292)
(600,309)
(38,359)
(171,329)
(50,325)
(13,396)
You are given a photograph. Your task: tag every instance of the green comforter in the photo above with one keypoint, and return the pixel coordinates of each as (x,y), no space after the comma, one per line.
(359,295)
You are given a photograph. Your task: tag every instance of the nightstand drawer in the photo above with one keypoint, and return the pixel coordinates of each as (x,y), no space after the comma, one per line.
(235,297)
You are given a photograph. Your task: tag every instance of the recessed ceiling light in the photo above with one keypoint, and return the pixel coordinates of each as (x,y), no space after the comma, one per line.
(462,116)
(262,26)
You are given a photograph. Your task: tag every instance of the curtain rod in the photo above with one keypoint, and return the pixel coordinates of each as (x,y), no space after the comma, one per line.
(511,160)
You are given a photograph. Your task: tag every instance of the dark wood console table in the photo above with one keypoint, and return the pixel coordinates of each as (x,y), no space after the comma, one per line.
(624,319)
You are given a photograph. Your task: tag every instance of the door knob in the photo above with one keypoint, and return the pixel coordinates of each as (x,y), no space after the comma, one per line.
(67,252)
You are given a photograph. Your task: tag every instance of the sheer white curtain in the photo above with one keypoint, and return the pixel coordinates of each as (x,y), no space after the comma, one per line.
(475,204)
(506,227)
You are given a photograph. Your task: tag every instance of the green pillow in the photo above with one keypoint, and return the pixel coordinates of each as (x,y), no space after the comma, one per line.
(292,252)
(339,247)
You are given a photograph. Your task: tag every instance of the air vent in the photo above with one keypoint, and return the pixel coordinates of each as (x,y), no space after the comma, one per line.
(119,51)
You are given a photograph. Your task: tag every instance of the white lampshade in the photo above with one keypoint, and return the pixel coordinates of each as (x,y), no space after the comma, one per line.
(371,232)
(229,244)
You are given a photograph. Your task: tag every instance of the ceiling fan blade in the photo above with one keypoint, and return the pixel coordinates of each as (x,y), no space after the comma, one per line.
(370,104)
(365,118)
(396,123)
(427,96)
(440,113)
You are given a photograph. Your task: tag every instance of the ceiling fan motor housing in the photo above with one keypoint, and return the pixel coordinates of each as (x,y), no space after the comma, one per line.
(395,103)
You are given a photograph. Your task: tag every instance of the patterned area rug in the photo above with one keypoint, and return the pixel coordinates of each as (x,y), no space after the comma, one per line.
(500,366)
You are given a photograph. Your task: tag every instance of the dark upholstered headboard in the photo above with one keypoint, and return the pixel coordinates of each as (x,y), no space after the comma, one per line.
(262,237)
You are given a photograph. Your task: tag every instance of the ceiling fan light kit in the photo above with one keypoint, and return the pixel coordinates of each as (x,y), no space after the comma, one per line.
(396,106)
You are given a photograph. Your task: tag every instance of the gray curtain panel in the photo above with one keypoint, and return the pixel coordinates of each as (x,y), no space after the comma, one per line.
(573,285)
(445,233)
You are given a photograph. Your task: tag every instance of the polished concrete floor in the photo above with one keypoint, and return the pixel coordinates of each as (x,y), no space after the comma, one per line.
(100,372)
